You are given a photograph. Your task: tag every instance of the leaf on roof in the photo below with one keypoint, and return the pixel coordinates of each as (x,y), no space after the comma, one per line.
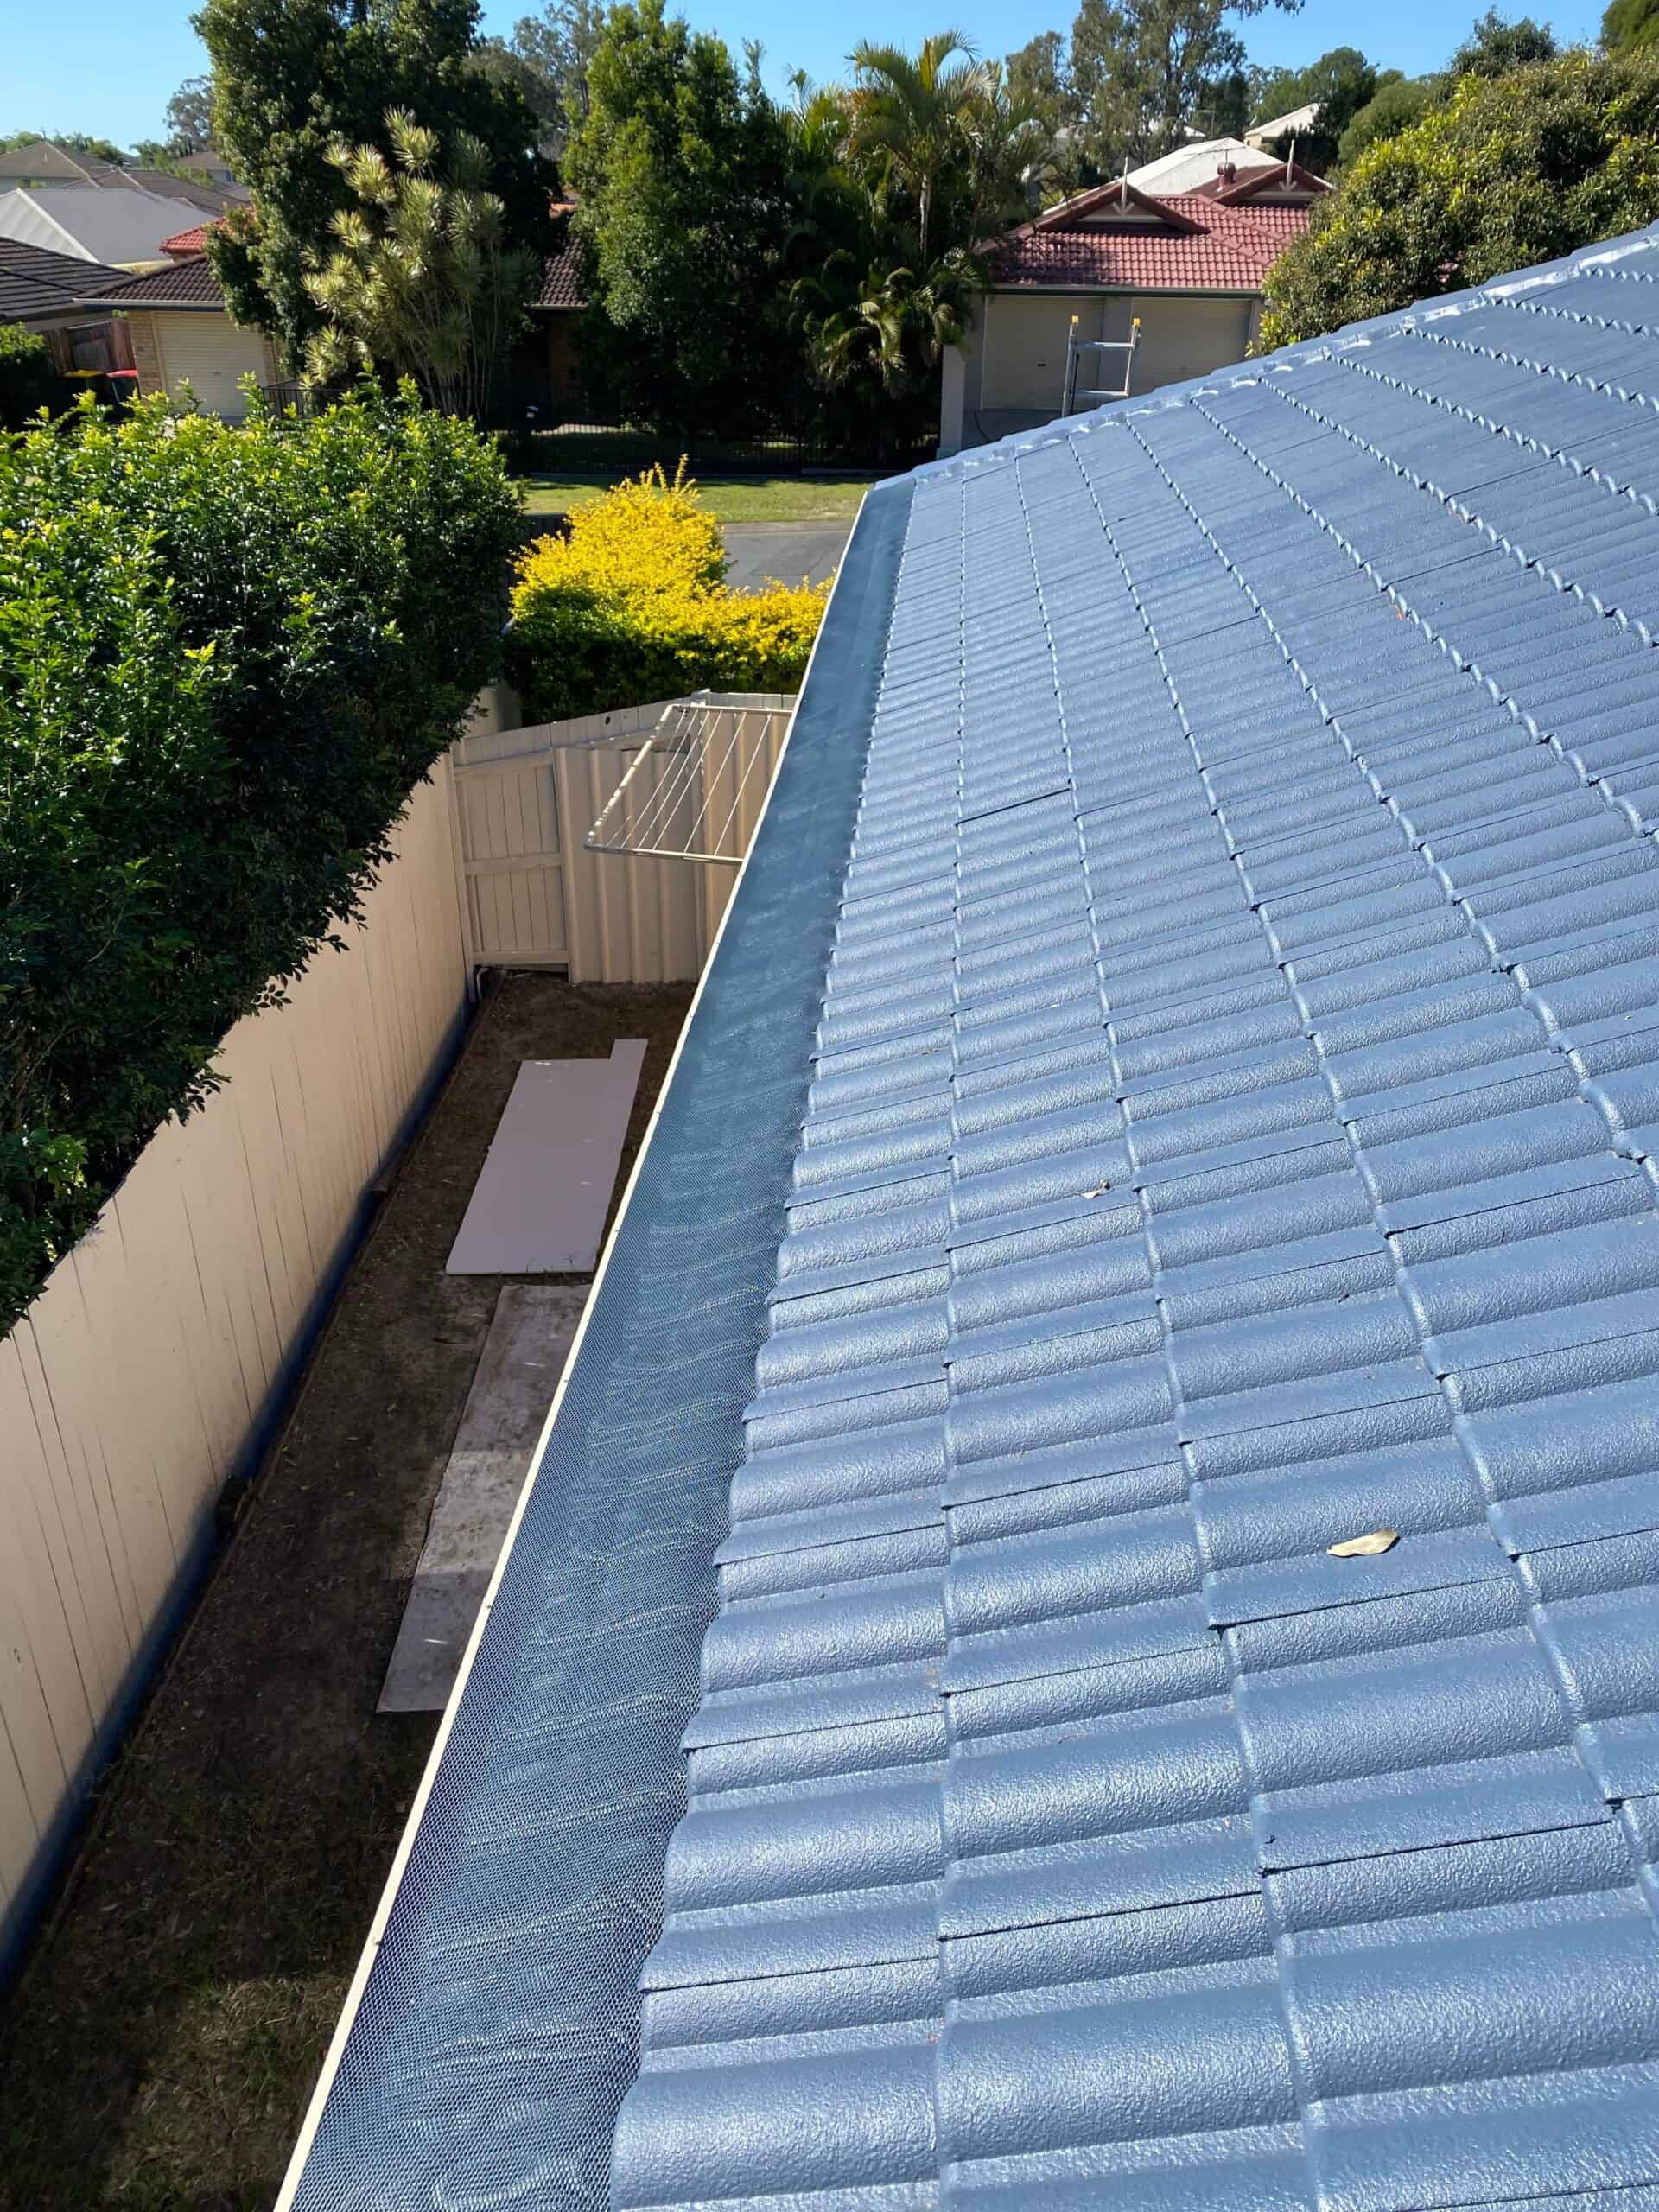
(1365,1547)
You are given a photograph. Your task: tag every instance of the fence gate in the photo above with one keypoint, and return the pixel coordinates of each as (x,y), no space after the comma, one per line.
(538,896)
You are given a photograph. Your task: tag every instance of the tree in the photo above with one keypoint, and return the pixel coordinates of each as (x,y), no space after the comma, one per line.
(1630,23)
(911,118)
(1339,83)
(190,117)
(422,281)
(875,337)
(73,142)
(682,172)
(548,56)
(1510,170)
(1146,70)
(1496,46)
(1395,106)
(294,78)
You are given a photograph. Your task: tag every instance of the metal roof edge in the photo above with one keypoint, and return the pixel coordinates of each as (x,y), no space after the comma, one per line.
(851,638)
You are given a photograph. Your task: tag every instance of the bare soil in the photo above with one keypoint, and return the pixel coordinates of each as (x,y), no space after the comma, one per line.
(159,2051)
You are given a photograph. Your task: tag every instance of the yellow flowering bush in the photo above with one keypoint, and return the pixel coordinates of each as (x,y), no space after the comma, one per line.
(633,604)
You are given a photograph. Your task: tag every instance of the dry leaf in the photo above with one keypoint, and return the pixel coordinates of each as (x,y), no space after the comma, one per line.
(1366,1547)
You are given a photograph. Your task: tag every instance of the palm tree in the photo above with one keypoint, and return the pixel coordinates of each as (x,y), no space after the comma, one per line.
(911,118)
(884,329)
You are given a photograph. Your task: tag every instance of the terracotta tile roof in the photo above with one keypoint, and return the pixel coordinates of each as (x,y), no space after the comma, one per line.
(190,283)
(188,242)
(562,284)
(1208,246)
(1250,184)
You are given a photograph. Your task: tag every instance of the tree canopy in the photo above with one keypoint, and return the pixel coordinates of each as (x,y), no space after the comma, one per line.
(1496,45)
(1630,23)
(190,117)
(293,79)
(680,169)
(1396,104)
(1341,82)
(547,57)
(1518,169)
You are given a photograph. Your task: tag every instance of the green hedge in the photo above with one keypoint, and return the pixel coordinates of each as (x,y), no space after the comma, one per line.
(29,377)
(226,655)
(632,605)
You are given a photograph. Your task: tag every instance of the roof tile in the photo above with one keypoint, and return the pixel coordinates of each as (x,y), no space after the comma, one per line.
(1197,1103)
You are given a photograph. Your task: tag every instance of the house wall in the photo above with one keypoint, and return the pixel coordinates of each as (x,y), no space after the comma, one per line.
(147,351)
(149,1369)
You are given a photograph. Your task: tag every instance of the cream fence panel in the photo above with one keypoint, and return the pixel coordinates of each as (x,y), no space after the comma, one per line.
(142,1376)
(538,898)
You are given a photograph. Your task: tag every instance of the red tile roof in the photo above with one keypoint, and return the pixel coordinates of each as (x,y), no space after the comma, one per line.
(184,242)
(1250,184)
(562,284)
(1208,247)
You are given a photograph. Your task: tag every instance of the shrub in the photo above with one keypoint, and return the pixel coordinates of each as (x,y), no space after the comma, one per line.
(633,605)
(29,377)
(1519,169)
(226,656)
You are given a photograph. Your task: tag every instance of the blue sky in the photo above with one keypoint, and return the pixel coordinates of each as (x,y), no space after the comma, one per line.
(110,65)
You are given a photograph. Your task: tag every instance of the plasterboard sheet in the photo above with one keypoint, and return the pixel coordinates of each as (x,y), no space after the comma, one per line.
(531,1336)
(539,1205)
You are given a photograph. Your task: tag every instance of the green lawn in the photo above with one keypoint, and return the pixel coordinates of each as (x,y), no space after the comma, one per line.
(728,498)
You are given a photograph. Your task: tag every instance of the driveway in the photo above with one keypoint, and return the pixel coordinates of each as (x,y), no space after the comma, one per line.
(756,551)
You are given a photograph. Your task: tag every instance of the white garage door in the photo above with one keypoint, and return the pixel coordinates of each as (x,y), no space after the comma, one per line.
(209,353)
(1024,347)
(1188,338)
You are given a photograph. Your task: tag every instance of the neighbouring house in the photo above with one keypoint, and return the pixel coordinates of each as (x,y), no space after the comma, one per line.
(1085,1631)
(49,293)
(45,162)
(182,331)
(1192,168)
(122,226)
(1295,123)
(1188,264)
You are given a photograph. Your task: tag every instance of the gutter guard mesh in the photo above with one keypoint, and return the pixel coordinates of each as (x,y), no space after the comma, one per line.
(499,2027)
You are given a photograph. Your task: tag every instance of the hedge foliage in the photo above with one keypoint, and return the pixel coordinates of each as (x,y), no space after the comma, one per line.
(633,605)
(1512,170)
(29,377)
(226,654)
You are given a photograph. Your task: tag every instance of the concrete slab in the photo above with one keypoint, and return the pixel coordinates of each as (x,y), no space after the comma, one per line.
(524,1356)
(539,1205)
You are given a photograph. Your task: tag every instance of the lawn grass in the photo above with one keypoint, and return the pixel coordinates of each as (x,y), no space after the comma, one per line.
(728,498)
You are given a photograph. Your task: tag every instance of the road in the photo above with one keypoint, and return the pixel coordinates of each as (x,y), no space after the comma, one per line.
(758,550)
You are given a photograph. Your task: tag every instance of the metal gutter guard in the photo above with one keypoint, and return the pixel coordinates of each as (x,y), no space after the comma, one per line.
(492,2028)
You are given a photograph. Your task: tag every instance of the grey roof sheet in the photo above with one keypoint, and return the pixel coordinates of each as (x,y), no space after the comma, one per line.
(1230,1128)
(35,281)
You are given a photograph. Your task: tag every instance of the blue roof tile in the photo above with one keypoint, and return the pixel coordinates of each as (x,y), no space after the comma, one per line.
(1224,1121)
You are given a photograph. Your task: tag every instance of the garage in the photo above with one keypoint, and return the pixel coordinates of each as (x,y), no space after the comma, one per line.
(1024,347)
(211,354)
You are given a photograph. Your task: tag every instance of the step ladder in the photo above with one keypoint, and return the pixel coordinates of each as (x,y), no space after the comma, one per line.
(1074,394)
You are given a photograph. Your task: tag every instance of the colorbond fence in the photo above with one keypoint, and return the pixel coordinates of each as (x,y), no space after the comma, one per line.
(146,1373)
